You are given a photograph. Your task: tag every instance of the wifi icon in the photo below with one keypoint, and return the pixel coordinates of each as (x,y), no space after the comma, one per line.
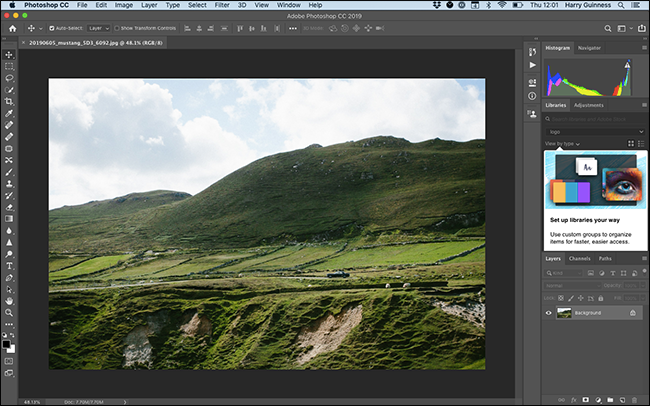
(502,4)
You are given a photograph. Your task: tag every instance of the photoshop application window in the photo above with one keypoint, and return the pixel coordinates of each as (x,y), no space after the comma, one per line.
(324,202)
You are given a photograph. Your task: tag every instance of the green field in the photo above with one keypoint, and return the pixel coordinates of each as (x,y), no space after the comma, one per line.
(201,264)
(476,256)
(258,262)
(143,268)
(57,263)
(301,257)
(88,267)
(313,260)
(396,255)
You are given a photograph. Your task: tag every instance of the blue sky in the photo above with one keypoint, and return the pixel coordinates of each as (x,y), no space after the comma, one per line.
(111,137)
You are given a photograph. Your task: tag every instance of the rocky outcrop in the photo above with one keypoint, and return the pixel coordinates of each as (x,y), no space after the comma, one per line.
(198,325)
(328,332)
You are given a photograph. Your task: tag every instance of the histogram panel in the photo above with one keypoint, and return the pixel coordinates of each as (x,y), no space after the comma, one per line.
(588,77)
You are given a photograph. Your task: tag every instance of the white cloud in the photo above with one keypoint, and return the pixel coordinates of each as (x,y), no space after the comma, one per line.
(155,141)
(232,112)
(216,88)
(113,137)
(215,152)
(328,111)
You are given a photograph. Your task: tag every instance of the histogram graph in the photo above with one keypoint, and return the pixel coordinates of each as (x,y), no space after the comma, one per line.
(588,77)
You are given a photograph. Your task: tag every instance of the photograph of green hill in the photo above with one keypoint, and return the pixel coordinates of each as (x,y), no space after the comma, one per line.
(267,224)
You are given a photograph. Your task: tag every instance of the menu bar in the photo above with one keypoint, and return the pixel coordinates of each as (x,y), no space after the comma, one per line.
(9,7)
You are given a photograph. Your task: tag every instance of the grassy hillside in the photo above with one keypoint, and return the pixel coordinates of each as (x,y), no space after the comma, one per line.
(264,323)
(119,206)
(370,187)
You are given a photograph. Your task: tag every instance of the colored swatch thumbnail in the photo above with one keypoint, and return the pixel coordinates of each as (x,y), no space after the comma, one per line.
(570,191)
(622,184)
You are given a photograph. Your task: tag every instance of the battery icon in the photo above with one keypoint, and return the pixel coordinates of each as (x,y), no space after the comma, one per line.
(517,4)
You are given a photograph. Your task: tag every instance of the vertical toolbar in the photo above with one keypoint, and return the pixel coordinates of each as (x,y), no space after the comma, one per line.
(532,82)
(9,182)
